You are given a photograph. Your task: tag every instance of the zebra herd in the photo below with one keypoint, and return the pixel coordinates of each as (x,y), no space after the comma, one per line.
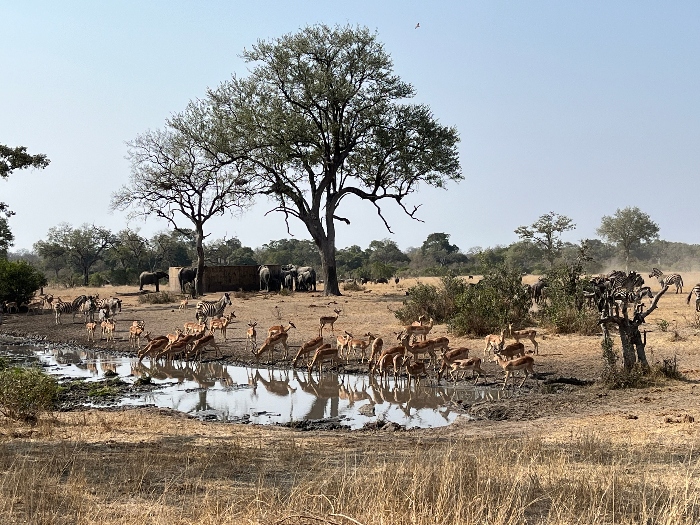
(615,291)
(89,306)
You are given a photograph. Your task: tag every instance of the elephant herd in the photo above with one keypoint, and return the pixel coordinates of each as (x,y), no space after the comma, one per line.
(291,277)
(299,278)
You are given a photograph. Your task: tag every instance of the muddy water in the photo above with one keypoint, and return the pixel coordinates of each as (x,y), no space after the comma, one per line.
(264,396)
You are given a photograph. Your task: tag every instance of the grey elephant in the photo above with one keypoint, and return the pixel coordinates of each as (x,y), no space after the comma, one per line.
(151,278)
(306,280)
(186,275)
(264,277)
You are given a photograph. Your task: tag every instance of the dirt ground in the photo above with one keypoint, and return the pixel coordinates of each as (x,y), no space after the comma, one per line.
(564,398)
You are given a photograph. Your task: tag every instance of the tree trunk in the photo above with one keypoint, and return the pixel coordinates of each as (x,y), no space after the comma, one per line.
(628,357)
(86,275)
(199,280)
(325,242)
(330,272)
(633,345)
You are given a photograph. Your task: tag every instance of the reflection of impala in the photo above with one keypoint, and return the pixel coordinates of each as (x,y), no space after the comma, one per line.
(407,399)
(351,393)
(279,387)
(326,388)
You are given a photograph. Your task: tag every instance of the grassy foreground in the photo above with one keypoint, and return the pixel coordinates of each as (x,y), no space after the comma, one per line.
(143,467)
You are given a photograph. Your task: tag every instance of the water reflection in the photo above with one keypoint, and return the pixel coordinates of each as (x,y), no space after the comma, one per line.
(265,395)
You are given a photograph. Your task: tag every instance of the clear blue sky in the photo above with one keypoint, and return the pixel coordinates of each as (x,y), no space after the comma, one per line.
(574,107)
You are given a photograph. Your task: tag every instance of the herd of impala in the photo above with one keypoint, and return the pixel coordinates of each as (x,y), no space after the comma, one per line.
(408,356)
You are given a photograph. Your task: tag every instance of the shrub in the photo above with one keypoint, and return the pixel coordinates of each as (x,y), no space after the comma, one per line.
(26,392)
(159,298)
(19,281)
(440,304)
(97,280)
(487,307)
(352,286)
(662,324)
(564,311)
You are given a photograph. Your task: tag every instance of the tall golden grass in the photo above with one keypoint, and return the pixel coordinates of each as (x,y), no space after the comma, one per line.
(102,471)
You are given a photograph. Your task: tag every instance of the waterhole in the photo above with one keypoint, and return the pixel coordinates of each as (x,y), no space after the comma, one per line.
(232,393)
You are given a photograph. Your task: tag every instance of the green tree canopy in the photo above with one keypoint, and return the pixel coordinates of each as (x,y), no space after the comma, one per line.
(12,159)
(627,229)
(300,252)
(387,251)
(82,247)
(351,259)
(227,252)
(324,119)
(19,281)
(545,234)
(437,247)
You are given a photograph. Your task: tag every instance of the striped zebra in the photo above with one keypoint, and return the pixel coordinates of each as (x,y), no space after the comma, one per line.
(213,309)
(668,280)
(61,307)
(111,306)
(696,291)
(89,308)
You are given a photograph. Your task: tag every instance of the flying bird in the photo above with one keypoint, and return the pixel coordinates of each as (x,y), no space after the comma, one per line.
(417,25)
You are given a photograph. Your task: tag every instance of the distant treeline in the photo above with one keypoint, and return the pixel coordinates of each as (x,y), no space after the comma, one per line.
(70,255)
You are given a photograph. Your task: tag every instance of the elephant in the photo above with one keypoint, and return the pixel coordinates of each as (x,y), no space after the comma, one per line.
(288,282)
(264,277)
(151,278)
(306,280)
(186,275)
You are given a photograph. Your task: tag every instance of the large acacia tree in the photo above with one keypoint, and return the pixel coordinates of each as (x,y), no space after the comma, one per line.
(173,178)
(83,247)
(325,118)
(545,233)
(627,229)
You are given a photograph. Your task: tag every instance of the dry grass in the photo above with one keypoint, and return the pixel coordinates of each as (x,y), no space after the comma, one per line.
(97,468)
(588,458)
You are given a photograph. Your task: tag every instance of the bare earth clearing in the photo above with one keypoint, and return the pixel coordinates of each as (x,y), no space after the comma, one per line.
(659,420)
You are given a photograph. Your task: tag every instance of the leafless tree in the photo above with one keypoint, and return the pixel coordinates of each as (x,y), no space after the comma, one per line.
(173,178)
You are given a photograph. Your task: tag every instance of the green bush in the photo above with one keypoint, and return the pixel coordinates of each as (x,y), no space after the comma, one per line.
(489,306)
(97,280)
(440,304)
(19,281)
(26,392)
(564,311)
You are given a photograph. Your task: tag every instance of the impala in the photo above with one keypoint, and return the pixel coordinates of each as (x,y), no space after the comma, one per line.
(323,354)
(279,328)
(462,365)
(323,321)
(522,363)
(307,348)
(511,351)
(524,334)
(251,336)
(271,343)
(495,341)
(221,324)
(449,357)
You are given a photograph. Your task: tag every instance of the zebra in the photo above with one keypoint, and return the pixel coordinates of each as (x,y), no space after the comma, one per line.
(668,280)
(112,306)
(618,288)
(89,308)
(696,291)
(213,309)
(61,307)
